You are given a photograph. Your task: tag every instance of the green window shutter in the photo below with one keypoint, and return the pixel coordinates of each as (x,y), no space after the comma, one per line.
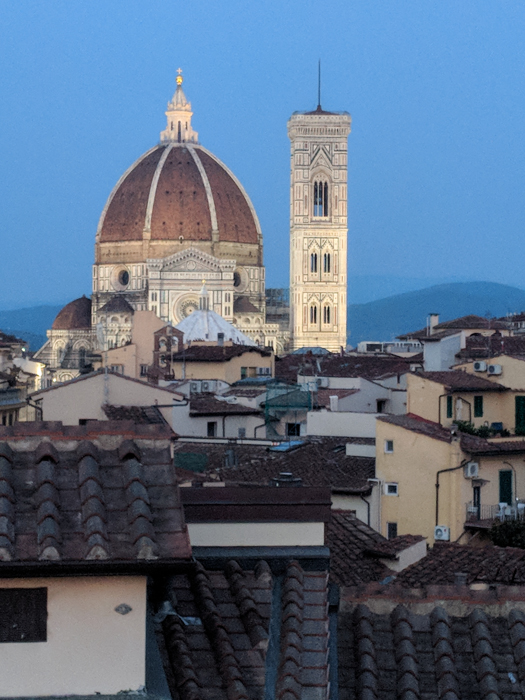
(505,486)
(478,406)
(520,415)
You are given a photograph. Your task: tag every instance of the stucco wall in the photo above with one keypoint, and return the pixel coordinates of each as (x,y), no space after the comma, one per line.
(90,648)
(256,534)
(197,426)
(229,371)
(346,424)
(84,398)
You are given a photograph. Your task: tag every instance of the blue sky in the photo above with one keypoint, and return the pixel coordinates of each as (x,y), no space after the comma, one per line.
(437,149)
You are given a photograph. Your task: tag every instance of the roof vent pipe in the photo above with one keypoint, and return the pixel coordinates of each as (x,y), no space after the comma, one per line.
(286,479)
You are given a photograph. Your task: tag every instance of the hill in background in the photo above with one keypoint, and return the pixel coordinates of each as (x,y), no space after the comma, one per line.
(29,324)
(385,319)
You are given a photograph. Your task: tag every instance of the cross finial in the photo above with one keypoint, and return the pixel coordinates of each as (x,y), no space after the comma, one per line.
(179,70)
(179,76)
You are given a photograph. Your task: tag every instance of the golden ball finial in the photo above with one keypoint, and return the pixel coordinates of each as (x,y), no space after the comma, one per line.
(179,77)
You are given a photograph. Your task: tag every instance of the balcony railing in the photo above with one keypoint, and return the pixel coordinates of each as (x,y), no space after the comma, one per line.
(500,511)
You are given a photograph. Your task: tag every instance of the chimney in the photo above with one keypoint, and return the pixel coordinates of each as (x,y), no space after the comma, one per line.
(334,403)
(432,322)
(220,339)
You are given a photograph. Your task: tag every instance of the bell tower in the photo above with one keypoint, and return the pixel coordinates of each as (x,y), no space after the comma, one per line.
(318,228)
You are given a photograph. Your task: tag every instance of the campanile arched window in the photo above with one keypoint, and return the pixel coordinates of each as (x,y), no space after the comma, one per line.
(327,263)
(313,314)
(313,262)
(326,314)
(320,198)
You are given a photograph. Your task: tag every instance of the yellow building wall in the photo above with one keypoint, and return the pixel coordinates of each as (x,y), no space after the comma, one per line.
(423,397)
(413,465)
(512,375)
(140,350)
(229,371)
(90,648)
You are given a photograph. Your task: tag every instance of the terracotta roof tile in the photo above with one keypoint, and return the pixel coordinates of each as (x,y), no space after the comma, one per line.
(457,380)
(208,405)
(74,316)
(216,353)
(318,461)
(52,478)
(219,636)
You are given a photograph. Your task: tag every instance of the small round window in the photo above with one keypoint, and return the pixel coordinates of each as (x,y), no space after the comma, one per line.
(123,278)
(236,279)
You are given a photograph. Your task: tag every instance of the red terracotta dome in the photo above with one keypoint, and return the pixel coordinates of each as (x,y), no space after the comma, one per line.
(74,316)
(174,190)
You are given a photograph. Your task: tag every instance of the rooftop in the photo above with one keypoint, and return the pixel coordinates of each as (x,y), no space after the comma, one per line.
(318,461)
(103,493)
(457,380)
(216,353)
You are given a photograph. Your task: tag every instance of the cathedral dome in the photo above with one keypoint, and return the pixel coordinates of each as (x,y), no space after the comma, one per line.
(74,316)
(178,191)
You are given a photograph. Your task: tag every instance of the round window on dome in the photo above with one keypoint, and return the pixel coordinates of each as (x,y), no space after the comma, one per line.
(123,278)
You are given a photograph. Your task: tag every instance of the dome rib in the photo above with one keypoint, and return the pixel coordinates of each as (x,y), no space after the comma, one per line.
(207,187)
(153,188)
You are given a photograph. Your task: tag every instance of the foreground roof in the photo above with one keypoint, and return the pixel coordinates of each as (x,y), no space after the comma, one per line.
(103,493)
(221,639)
(439,653)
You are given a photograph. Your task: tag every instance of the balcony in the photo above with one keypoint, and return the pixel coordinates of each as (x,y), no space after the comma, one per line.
(486,515)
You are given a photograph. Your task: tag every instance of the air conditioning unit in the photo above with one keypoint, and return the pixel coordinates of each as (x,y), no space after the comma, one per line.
(195,387)
(441,533)
(480,366)
(495,369)
(206,386)
(322,381)
(264,370)
(471,470)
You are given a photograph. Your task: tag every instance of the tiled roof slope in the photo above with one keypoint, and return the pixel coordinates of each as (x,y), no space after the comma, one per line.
(404,656)
(504,565)
(101,493)
(356,549)
(349,539)
(138,414)
(366,366)
(469,443)
(317,461)
(216,646)
(463,323)
(216,353)
(457,380)
(207,405)
(482,346)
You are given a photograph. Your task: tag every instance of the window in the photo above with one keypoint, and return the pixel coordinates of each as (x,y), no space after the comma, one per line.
(313,314)
(391,489)
(313,262)
(117,368)
(326,263)
(450,404)
(326,314)
(212,428)
(244,372)
(320,198)
(293,429)
(391,530)
(23,615)
(381,405)
(242,433)
(143,370)
(389,446)
(478,406)
(505,486)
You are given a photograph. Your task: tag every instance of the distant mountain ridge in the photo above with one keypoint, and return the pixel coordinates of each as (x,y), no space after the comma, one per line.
(387,318)
(382,320)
